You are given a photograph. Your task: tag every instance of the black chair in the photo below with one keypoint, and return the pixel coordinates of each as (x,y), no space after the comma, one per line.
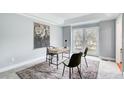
(73,62)
(49,56)
(85,54)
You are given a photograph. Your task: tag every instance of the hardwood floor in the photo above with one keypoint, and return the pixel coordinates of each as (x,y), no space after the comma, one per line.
(107,70)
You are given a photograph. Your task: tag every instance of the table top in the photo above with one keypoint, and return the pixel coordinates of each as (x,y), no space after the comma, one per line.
(58,50)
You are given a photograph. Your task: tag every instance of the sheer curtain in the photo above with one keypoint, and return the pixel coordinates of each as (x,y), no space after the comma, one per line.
(78,39)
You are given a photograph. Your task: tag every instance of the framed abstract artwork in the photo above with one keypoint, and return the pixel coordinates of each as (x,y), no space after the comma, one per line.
(41,35)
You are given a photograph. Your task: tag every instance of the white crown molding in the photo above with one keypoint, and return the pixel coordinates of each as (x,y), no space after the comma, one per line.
(89,19)
(45,20)
(92,18)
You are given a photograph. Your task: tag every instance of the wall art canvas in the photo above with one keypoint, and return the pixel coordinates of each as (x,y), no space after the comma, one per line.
(41,35)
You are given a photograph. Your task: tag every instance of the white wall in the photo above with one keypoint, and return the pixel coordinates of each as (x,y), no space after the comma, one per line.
(16,39)
(67,35)
(123,42)
(118,38)
(106,37)
(56,36)
(107,42)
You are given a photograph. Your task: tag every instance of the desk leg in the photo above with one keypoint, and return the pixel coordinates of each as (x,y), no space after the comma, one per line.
(51,59)
(62,55)
(57,61)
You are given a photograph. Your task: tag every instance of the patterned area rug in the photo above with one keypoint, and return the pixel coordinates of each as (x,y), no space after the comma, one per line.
(44,71)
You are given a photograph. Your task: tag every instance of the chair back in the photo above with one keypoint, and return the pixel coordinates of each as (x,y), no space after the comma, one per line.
(75,60)
(47,49)
(85,52)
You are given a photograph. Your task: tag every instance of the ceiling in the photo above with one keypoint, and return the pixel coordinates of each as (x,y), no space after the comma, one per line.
(64,19)
(66,16)
(91,18)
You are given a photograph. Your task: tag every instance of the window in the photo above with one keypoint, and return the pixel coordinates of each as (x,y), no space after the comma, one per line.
(83,37)
(77,40)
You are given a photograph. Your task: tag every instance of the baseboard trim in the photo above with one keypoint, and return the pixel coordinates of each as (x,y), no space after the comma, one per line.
(107,58)
(10,67)
(123,74)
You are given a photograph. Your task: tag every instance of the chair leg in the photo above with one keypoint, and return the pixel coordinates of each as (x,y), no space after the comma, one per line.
(57,60)
(86,62)
(80,66)
(49,62)
(72,69)
(46,58)
(79,72)
(63,71)
(69,73)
